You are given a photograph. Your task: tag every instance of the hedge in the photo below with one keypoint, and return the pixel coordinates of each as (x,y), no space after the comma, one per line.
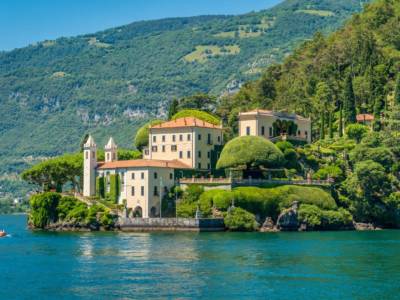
(317,218)
(265,202)
(114,188)
(202,115)
(100,187)
(239,219)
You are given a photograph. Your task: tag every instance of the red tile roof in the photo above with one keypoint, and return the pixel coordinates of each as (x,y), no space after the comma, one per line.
(271,113)
(365,117)
(186,122)
(139,163)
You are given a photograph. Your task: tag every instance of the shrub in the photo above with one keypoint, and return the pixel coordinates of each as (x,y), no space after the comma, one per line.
(356,132)
(207,117)
(284,145)
(239,219)
(316,218)
(78,213)
(65,205)
(186,208)
(142,135)
(250,151)
(44,209)
(329,171)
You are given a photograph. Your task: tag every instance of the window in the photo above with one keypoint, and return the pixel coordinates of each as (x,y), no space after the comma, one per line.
(173,148)
(199,137)
(188,154)
(114,156)
(122,178)
(155,191)
(87,154)
(209,139)
(171,176)
(208,154)
(163,148)
(108,156)
(247,130)
(219,139)
(188,137)
(163,138)
(133,191)
(142,190)
(262,130)
(299,132)
(208,167)
(154,139)
(142,175)
(199,154)
(180,154)
(174,138)
(133,176)
(270,131)
(181,137)
(165,190)
(155,175)
(306,133)
(199,166)
(154,148)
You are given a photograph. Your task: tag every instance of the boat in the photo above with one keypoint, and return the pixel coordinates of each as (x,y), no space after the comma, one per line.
(2,233)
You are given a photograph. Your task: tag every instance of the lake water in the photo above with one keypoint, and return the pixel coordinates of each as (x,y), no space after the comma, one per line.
(328,265)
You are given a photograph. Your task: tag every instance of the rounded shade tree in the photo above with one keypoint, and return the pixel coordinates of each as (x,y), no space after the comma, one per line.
(250,152)
(207,117)
(142,135)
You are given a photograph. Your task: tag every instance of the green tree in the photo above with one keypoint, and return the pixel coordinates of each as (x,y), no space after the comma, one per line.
(239,219)
(349,106)
(44,209)
(250,152)
(142,135)
(114,188)
(397,90)
(201,115)
(173,108)
(356,132)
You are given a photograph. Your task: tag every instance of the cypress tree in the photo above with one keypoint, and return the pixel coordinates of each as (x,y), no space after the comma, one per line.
(173,108)
(397,90)
(322,134)
(349,109)
(330,125)
(340,120)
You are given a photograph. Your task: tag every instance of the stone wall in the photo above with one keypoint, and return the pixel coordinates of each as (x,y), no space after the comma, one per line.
(170,224)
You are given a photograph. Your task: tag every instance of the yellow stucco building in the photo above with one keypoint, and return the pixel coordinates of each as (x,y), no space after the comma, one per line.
(274,125)
(174,147)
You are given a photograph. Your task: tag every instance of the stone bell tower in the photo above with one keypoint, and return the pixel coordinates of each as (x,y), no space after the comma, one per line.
(89,167)
(111,151)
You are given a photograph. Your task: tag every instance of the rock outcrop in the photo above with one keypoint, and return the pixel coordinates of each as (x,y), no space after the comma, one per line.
(268,226)
(288,219)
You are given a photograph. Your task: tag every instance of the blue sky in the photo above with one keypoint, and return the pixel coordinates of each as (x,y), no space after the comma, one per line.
(23,22)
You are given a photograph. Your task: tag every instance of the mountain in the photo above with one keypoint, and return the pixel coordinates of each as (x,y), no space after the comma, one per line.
(110,82)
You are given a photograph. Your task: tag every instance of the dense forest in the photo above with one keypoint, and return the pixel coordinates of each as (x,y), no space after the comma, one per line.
(111,82)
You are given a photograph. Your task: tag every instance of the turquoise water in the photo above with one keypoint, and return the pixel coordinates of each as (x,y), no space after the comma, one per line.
(329,265)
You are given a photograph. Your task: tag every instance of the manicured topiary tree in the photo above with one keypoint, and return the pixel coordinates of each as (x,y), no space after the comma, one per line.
(100,187)
(250,152)
(356,132)
(114,188)
(207,117)
(142,135)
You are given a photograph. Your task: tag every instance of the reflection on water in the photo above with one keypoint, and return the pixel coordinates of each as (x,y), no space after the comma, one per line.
(331,265)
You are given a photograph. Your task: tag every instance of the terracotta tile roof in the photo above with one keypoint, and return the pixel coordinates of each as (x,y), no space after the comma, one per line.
(186,122)
(271,113)
(365,117)
(139,163)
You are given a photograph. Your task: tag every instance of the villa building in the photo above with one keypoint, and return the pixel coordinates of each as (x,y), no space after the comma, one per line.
(275,125)
(175,147)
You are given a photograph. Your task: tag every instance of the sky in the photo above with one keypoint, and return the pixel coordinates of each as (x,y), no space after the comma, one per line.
(23,22)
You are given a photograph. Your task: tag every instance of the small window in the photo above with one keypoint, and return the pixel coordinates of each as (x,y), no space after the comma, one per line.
(165,190)
(199,154)
(155,175)
(108,156)
(142,190)
(87,154)
(133,191)
(173,148)
(208,167)
(188,137)
(133,176)
(174,138)
(188,154)
(154,139)
(180,154)
(163,138)
(181,137)
(155,191)
(247,130)
(306,133)
(199,137)
(163,148)
(209,139)
(219,139)
(262,130)
(154,148)
(122,178)
(299,132)
(171,176)
(270,131)
(208,154)
(114,156)
(142,175)
(199,165)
